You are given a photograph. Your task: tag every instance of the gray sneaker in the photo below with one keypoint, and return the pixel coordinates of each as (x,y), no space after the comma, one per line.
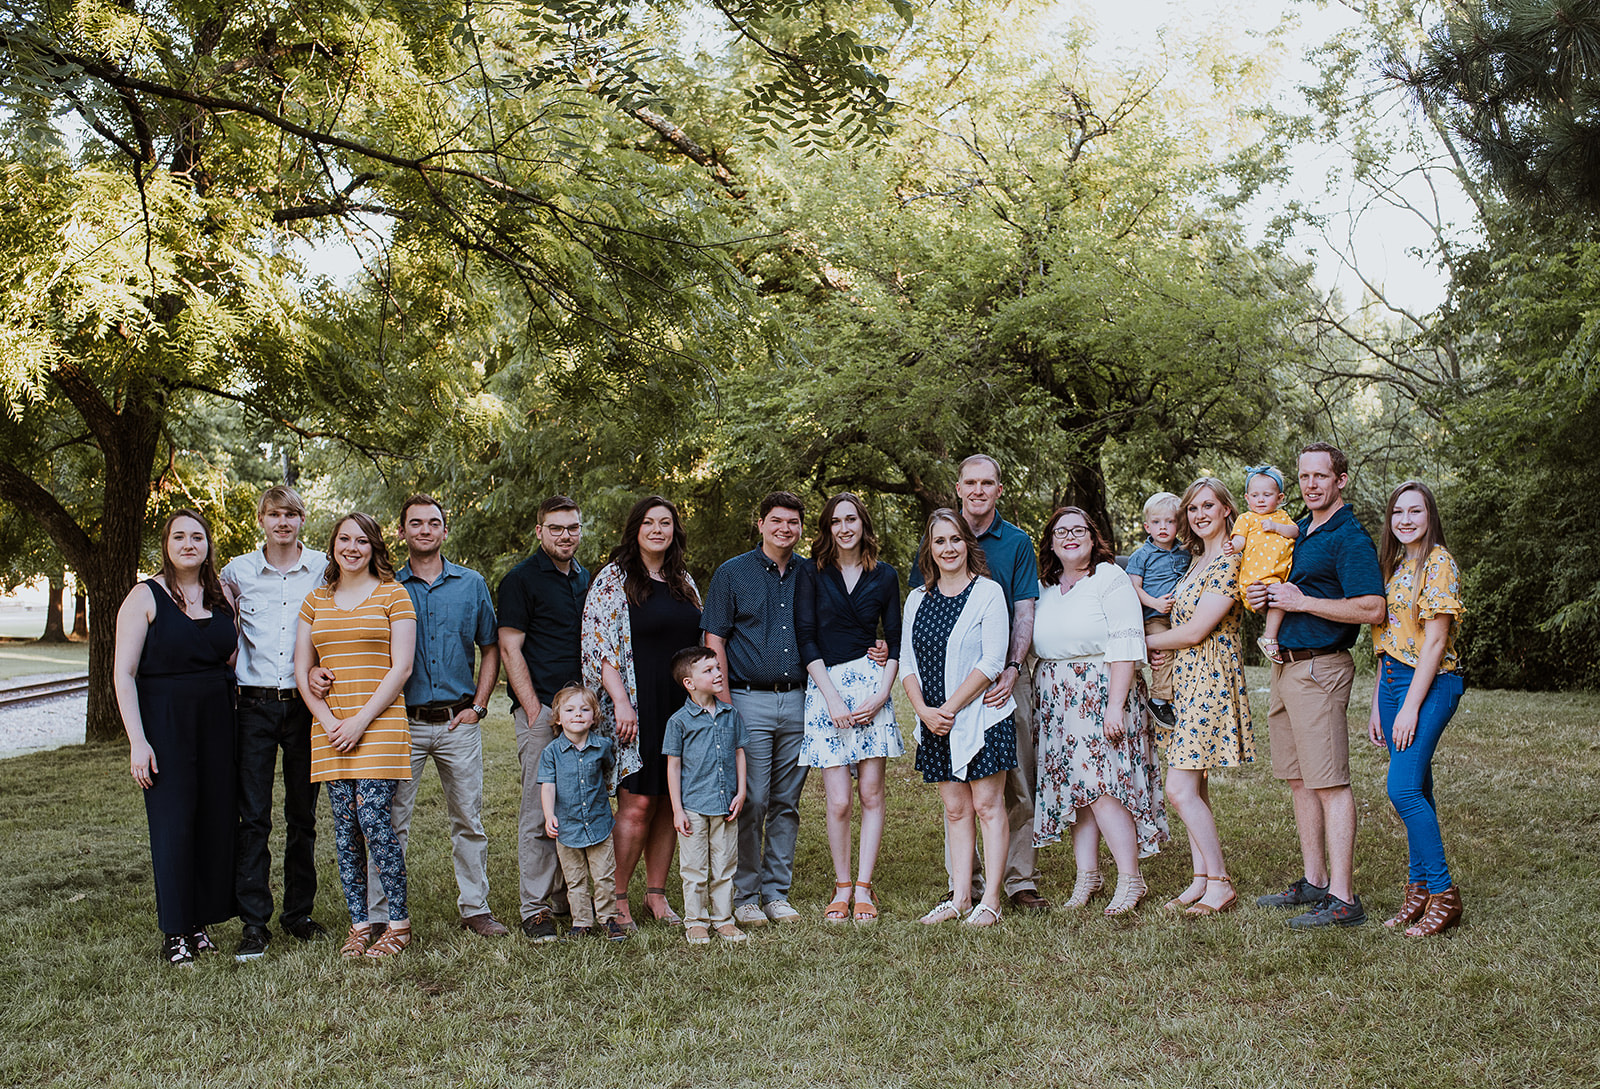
(749,915)
(1331,912)
(780,911)
(1301,892)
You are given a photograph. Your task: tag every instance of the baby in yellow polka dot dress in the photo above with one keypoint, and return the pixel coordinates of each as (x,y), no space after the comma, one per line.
(1265,535)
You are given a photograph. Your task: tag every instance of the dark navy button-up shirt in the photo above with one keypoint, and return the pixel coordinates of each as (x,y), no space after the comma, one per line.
(750,604)
(547,607)
(1335,560)
(1011,559)
(838,625)
(454,616)
(1158,569)
(708,744)
(583,805)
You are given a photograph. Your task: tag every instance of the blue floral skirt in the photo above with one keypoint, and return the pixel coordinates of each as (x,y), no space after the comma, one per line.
(827,746)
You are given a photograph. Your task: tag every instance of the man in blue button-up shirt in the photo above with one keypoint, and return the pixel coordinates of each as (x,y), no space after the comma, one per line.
(444,704)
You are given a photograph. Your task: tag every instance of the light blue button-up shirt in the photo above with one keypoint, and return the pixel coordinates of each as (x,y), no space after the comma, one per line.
(454,616)
(583,805)
(708,745)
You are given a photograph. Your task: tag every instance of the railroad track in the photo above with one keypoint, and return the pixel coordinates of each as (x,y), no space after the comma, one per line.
(44,690)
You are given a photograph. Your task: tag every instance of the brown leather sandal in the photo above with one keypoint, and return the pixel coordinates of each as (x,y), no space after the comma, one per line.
(838,910)
(866,910)
(394,939)
(1444,912)
(1412,905)
(355,943)
(1178,903)
(1200,909)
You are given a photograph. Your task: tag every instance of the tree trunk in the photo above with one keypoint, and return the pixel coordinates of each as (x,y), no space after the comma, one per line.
(54,632)
(1086,488)
(80,610)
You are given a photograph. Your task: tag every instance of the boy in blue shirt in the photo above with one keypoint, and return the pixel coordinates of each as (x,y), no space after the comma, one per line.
(1155,569)
(704,747)
(573,774)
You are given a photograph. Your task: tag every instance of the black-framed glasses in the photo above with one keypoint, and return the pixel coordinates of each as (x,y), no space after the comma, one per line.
(563,531)
(1076,533)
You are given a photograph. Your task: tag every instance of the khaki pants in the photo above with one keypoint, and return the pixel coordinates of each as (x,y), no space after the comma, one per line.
(580,866)
(542,887)
(707,859)
(1161,677)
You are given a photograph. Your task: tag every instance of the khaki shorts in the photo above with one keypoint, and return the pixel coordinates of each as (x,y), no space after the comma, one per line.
(1308,722)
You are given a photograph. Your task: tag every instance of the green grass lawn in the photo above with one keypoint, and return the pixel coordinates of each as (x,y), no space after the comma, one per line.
(1508,999)
(20,659)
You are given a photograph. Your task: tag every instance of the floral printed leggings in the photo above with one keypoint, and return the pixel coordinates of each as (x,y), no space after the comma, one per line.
(361,822)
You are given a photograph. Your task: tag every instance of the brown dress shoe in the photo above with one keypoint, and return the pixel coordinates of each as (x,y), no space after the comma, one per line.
(1030,901)
(485,925)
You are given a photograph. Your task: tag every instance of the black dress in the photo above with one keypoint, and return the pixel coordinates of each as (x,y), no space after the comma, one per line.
(186,702)
(661,626)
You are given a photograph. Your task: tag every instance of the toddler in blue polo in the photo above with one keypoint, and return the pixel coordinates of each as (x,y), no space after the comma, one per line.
(1155,568)
(704,747)
(573,772)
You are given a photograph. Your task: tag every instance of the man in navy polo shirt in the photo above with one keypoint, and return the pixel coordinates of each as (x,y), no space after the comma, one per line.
(444,705)
(1334,587)
(1012,563)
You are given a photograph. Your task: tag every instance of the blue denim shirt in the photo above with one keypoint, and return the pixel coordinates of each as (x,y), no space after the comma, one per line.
(1158,569)
(708,744)
(583,804)
(454,616)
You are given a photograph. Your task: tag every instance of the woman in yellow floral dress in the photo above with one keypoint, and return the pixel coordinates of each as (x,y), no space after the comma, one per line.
(1208,689)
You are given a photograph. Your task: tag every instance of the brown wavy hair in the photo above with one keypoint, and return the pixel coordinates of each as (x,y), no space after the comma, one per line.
(638,585)
(824,553)
(1186,535)
(379,563)
(1392,553)
(977,562)
(1050,567)
(211,595)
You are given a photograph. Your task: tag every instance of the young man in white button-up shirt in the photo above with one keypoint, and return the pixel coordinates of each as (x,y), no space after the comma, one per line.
(269,585)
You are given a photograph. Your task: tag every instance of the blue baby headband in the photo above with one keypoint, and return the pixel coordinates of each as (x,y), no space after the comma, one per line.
(1263,470)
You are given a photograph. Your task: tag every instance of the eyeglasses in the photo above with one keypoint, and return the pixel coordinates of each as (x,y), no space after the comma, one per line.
(562,531)
(1076,533)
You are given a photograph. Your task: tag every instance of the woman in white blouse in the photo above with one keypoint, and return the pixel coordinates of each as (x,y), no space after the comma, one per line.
(952,647)
(1096,757)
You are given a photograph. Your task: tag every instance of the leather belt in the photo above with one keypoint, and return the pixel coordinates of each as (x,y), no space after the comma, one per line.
(775,686)
(1291,654)
(436,713)
(278,695)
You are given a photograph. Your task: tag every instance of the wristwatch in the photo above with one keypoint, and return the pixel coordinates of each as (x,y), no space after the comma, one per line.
(1014,665)
(481,712)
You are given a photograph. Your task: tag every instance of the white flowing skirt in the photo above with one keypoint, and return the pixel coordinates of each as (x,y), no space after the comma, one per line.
(827,746)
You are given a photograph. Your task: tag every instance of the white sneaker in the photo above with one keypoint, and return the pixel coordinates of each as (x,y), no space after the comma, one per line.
(749,915)
(779,911)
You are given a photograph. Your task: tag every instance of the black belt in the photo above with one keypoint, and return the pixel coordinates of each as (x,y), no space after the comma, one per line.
(279,695)
(775,686)
(1291,654)
(435,713)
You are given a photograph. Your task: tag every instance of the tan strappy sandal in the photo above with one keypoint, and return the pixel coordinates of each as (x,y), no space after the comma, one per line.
(866,910)
(355,943)
(394,939)
(838,910)
(1412,905)
(1444,912)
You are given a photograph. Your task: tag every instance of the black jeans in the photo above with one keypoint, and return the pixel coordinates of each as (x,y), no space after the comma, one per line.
(264,727)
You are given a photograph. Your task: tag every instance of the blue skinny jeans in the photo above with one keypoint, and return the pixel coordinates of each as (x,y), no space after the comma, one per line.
(1411,769)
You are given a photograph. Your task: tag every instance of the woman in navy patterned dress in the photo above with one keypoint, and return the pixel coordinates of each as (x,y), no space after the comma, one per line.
(953,645)
(841,599)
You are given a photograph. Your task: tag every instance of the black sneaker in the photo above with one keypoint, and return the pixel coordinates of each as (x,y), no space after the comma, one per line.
(616,932)
(306,929)
(175,949)
(540,926)
(253,944)
(1332,911)
(1164,713)
(1301,892)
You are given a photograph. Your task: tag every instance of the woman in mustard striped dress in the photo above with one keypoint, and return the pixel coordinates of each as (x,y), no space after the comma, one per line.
(360,626)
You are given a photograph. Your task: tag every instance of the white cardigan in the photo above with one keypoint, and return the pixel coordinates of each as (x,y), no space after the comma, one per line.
(979,640)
